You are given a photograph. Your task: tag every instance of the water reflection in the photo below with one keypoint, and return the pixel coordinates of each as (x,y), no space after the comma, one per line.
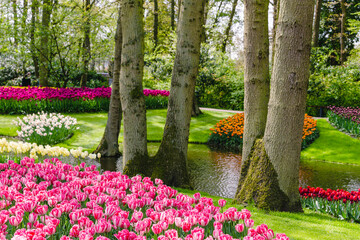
(217,172)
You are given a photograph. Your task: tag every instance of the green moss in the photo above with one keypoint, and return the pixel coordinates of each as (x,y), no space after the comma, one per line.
(138,165)
(259,182)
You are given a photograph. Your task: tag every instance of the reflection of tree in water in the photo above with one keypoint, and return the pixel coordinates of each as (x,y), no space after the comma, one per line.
(214,172)
(305,176)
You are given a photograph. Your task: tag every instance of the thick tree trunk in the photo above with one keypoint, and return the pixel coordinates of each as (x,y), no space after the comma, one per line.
(289,82)
(275,19)
(342,34)
(228,28)
(34,56)
(170,163)
(172,14)
(316,27)
(44,52)
(86,44)
(280,148)
(135,156)
(256,79)
(109,144)
(156,23)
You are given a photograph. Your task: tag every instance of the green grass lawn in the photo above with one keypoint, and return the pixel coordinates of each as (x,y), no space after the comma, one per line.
(298,226)
(92,127)
(333,146)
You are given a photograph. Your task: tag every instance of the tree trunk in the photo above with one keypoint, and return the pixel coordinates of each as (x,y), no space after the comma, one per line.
(170,163)
(228,28)
(274,161)
(156,23)
(195,110)
(86,44)
(109,144)
(256,78)
(342,34)
(16,29)
(135,156)
(34,56)
(275,19)
(172,15)
(23,33)
(315,37)
(44,52)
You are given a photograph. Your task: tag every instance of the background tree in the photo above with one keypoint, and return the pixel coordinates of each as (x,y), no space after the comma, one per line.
(44,41)
(271,176)
(316,27)
(109,144)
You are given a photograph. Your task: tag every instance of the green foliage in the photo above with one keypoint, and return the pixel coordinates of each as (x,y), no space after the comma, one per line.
(330,28)
(334,85)
(219,84)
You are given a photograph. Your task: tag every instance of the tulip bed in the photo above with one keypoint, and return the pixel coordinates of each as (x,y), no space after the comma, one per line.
(346,119)
(339,203)
(228,132)
(15,100)
(53,200)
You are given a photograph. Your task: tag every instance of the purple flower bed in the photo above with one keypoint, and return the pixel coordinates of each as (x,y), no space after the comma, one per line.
(15,100)
(345,118)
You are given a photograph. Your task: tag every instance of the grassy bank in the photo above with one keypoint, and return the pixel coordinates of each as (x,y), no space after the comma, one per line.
(92,127)
(299,226)
(333,146)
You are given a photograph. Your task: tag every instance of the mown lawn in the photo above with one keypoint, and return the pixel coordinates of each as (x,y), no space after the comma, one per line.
(333,146)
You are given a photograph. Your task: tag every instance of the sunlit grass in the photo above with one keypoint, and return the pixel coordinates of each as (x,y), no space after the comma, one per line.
(333,146)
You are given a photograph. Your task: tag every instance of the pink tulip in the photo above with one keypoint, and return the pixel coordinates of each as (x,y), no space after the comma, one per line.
(249,223)
(15,221)
(239,228)
(222,202)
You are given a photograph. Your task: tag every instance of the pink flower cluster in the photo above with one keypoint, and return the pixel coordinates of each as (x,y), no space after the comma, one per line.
(37,93)
(60,201)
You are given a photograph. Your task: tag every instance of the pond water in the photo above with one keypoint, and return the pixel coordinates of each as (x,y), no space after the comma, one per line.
(217,173)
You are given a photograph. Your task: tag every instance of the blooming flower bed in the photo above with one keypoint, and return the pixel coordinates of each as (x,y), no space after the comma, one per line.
(15,100)
(53,200)
(228,132)
(339,203)
(17,150)
(346,119)
(44,128)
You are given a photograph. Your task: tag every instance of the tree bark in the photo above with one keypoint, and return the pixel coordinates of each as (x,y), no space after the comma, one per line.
(156,23)
(228,28)
(34,56)
(86,45)
(44,52)
(289,82)
(315,37)
(256,72)
(275,19)
(170,162)
(342,34)
(274,161)
(135,156)
(109,144)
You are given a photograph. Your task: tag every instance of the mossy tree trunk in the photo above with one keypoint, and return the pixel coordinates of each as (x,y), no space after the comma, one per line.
(44,42)
(281,145)
(170,163)
(315,36)
(109,144)
(257,79)
(135,156)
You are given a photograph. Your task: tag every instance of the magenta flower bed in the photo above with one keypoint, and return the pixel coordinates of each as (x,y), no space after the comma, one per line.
(15,100)
(53,200)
